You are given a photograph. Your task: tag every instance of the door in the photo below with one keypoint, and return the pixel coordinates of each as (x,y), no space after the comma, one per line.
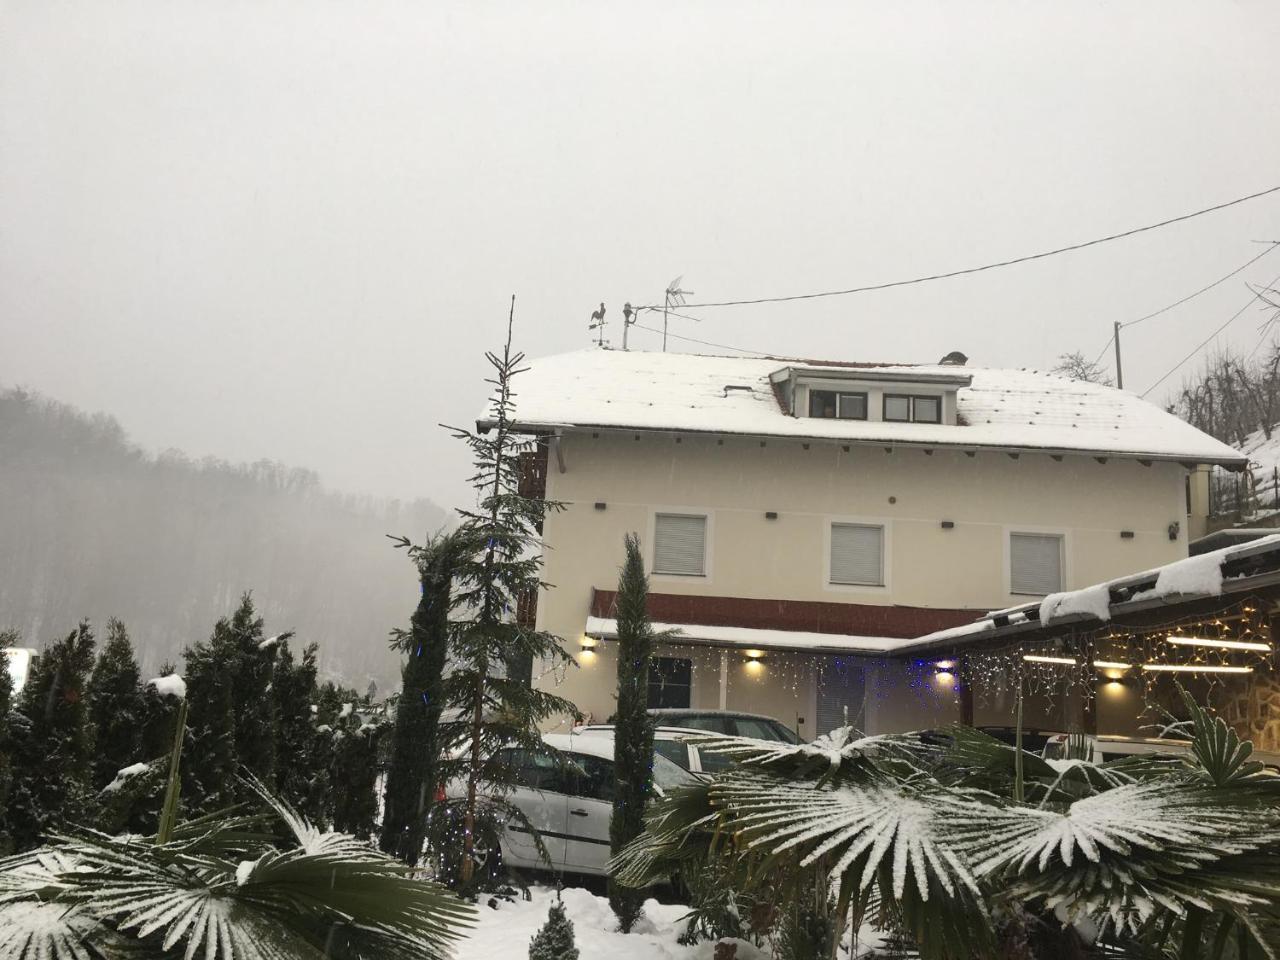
(541,796)
(589,813)
(840,694)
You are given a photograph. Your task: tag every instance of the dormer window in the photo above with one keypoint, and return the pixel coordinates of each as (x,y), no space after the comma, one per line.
(904,408)
(837,405)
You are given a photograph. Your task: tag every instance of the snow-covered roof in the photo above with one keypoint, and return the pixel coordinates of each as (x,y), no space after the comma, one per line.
(750,638)
(1197,577)
(1005,409)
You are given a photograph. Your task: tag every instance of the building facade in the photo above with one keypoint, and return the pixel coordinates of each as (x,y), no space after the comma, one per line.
(803,521)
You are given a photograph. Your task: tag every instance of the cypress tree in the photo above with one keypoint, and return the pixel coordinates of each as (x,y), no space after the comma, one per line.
(413,775)
(555,940)
(115,706)
(8,638)
(500,559)
(633,727)
(53,743)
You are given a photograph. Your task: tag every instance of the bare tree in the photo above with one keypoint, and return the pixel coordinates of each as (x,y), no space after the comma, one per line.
(1078,367)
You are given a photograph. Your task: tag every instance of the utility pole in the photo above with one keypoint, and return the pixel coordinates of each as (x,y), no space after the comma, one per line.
(628,318)
(1119,372)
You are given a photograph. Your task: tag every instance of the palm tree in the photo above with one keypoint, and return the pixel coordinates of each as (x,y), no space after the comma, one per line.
(223,887)
(1136,856)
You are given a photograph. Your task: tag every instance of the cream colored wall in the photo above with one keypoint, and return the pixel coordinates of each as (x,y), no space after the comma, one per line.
(737,480)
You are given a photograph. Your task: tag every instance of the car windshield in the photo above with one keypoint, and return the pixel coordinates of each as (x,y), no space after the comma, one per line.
(668,776)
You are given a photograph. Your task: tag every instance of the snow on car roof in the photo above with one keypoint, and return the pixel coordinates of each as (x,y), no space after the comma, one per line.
(1005,409)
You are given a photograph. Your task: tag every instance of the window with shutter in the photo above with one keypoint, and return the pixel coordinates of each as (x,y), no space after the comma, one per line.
(679,544)
(857,554)
(1035,563)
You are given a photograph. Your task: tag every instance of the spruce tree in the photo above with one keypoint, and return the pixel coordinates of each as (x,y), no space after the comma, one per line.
(353,729)
(53,743)
(302,755)
(499,561)
(255,708)
(209,770)
(232,715)
(115,706)
(8,638)
(555,940)
(414,775)
(633,727)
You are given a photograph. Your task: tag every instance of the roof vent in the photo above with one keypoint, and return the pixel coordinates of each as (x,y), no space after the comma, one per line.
(954,359)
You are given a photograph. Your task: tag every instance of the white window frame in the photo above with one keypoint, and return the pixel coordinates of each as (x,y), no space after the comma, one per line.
(651,554)
(886,555)
(1064,544)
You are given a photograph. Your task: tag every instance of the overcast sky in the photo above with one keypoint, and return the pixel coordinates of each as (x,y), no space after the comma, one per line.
(289,230)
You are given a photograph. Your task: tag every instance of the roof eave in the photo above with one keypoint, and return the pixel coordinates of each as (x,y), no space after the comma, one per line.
(1234,464)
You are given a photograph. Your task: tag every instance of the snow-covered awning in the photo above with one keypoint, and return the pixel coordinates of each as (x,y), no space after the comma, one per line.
(746,638)
(1238,569)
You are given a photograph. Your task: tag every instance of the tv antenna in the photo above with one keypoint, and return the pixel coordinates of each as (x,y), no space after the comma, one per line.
(597,323)
(673,297)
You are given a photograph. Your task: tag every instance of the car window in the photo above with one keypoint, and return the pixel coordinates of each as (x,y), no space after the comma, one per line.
(760,729)
(714,762)
(668,776)
(674,751)
(536,770)
(696,721)
(593,777)
(785,733)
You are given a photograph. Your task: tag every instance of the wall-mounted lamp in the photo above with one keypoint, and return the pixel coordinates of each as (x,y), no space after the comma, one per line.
(588,644)
(753,655)
(945,664)
(771,514)
(1126,534)
(948,524)
(600,505)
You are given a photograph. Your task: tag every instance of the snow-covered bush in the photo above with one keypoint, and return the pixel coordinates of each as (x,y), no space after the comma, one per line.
(555,940)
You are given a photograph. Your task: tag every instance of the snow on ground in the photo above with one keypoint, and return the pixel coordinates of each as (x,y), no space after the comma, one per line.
(504,933)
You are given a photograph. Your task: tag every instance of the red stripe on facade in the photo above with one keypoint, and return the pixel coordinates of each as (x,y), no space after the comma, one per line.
(854,619)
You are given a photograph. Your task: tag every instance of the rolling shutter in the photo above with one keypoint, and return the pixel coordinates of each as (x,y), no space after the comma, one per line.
(1035,563)
(857,554)
(679,544)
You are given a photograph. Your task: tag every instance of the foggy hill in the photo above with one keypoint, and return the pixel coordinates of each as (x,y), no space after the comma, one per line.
(93,526)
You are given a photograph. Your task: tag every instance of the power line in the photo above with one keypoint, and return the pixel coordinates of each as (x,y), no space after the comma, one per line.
(705,343)
(1192,296)
(1257,295)
(1177,303)
(987,266)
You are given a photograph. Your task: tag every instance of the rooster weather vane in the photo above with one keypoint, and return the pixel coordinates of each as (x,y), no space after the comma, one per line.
(597,323)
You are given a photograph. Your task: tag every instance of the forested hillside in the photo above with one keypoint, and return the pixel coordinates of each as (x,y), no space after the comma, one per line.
(92,526)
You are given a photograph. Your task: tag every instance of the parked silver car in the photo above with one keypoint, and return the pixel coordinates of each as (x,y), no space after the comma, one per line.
(566,792)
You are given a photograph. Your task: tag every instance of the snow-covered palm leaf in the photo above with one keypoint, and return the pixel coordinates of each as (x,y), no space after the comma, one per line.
(680,829)
(33,926)
(825,754)
(295,899)
(857,829)
(876,835)
(1123,854)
